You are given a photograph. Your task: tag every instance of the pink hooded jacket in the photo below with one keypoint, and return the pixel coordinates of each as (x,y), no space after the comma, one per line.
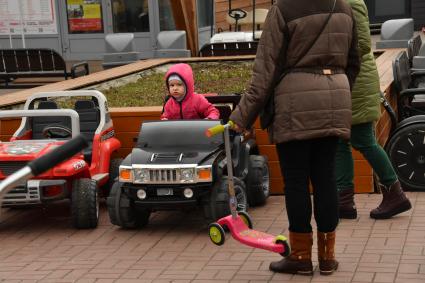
(193,106)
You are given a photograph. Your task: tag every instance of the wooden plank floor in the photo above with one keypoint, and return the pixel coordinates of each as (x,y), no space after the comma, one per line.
(384,63)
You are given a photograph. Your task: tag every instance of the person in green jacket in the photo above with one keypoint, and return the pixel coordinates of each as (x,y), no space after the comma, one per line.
(365,111)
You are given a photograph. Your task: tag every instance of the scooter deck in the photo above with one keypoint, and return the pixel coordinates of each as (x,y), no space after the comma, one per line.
(250,237)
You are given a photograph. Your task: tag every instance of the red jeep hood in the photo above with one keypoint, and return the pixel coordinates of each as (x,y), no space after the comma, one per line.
(26,150)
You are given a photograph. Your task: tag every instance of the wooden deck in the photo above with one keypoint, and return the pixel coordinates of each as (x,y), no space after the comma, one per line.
(127,120)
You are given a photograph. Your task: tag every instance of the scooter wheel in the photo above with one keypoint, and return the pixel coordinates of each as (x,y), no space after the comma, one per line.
(216,233)
(246,218)
(283,241)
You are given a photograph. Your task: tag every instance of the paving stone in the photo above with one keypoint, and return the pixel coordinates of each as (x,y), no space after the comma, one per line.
(39,249)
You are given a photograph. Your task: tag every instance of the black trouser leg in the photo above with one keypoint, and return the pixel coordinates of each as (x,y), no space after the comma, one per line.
(323,179)
(300,161)
(294,162)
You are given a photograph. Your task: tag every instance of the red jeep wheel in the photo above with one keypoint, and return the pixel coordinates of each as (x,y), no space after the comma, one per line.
(84,203)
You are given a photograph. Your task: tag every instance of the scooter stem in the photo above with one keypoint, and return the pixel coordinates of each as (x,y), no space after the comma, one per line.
(232,197)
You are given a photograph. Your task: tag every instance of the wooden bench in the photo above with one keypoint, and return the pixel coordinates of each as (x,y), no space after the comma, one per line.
(36,62)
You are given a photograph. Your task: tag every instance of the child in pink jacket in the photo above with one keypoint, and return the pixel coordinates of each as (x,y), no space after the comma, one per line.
(184,103)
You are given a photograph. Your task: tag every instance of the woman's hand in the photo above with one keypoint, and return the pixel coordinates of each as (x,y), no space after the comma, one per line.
(237,128)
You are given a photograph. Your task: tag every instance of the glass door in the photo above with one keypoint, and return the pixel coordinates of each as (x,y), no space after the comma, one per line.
(82,28)
(86,22)
(137,17)
(130,16)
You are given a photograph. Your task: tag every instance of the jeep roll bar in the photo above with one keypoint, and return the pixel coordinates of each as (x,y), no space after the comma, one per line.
(75,119)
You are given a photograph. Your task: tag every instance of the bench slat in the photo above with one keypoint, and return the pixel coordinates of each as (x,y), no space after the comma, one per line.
(46,60)
(22,60)
(59,63)
(10,61)
(34,59)
(1,62)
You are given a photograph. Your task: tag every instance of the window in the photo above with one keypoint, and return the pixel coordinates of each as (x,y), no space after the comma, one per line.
(383,10)
(166,18)
(130,15)
(205,9)
(390,7)
(84,16)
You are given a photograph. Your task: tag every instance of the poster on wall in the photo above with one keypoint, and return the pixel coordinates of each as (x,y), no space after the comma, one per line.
(36,17)
(84,16)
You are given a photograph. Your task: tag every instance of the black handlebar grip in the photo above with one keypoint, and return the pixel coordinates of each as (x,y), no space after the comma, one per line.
(57,155)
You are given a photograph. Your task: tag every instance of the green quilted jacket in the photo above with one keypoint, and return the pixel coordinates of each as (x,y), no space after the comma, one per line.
(365,95)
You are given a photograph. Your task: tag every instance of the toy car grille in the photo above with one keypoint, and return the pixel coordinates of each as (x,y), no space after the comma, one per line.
(22,195)
(8,168)
(163,176)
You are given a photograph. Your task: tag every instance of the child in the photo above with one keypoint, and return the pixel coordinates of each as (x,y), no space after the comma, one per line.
(184,103)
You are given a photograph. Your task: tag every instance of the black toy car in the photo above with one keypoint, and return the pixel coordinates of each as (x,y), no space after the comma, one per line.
(175,166)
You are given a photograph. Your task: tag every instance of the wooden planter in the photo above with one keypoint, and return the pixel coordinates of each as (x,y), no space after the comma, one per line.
(127,120)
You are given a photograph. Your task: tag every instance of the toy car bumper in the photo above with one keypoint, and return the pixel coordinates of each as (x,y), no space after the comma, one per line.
(165,198)
(35,192)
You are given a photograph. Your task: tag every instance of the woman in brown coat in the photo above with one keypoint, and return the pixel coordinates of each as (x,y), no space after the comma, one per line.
(312,110)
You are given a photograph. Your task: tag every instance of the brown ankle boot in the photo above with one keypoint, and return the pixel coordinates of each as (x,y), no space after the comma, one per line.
(394,201)
(346,206)
(299,261)
(326,252)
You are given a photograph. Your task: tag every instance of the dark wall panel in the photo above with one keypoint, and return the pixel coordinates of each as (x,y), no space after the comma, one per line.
(418,13)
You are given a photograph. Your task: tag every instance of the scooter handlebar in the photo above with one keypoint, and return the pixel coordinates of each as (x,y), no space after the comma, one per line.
(58,155)
(218,129)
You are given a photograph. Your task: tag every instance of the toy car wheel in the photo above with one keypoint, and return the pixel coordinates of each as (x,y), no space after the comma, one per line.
(219,200)
(84,203)
(246,219)
(258,180)
(406,151)
(122,211)
(216,233)
(283,241)
(114,166)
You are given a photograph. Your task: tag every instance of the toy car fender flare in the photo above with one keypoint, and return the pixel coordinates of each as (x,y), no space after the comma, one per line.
(107,147)
(247,148)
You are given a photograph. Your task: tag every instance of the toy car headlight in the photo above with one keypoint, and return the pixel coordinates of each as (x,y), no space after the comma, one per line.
(141,175)
(126,174)
(204,174)
(187,174)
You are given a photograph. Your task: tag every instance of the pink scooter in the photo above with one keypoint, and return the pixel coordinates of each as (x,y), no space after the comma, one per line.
(239,223)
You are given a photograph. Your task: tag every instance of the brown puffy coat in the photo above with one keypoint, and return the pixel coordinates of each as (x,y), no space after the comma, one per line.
(308,103)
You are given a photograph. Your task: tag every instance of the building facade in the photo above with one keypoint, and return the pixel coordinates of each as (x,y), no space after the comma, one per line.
(77,28)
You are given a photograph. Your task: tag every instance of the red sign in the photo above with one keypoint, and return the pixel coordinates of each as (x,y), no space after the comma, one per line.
(84,25)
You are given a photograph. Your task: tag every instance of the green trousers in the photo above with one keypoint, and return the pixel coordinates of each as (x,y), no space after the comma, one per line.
(363,140)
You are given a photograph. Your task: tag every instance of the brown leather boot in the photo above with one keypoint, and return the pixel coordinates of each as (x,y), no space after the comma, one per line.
(394,201)
(326,252)
(346,206)
(299,261)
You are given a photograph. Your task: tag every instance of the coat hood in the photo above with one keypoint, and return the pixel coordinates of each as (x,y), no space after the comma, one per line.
(185,72)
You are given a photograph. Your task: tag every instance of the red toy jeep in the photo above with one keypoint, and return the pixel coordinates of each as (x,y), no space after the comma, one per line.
(82,178)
